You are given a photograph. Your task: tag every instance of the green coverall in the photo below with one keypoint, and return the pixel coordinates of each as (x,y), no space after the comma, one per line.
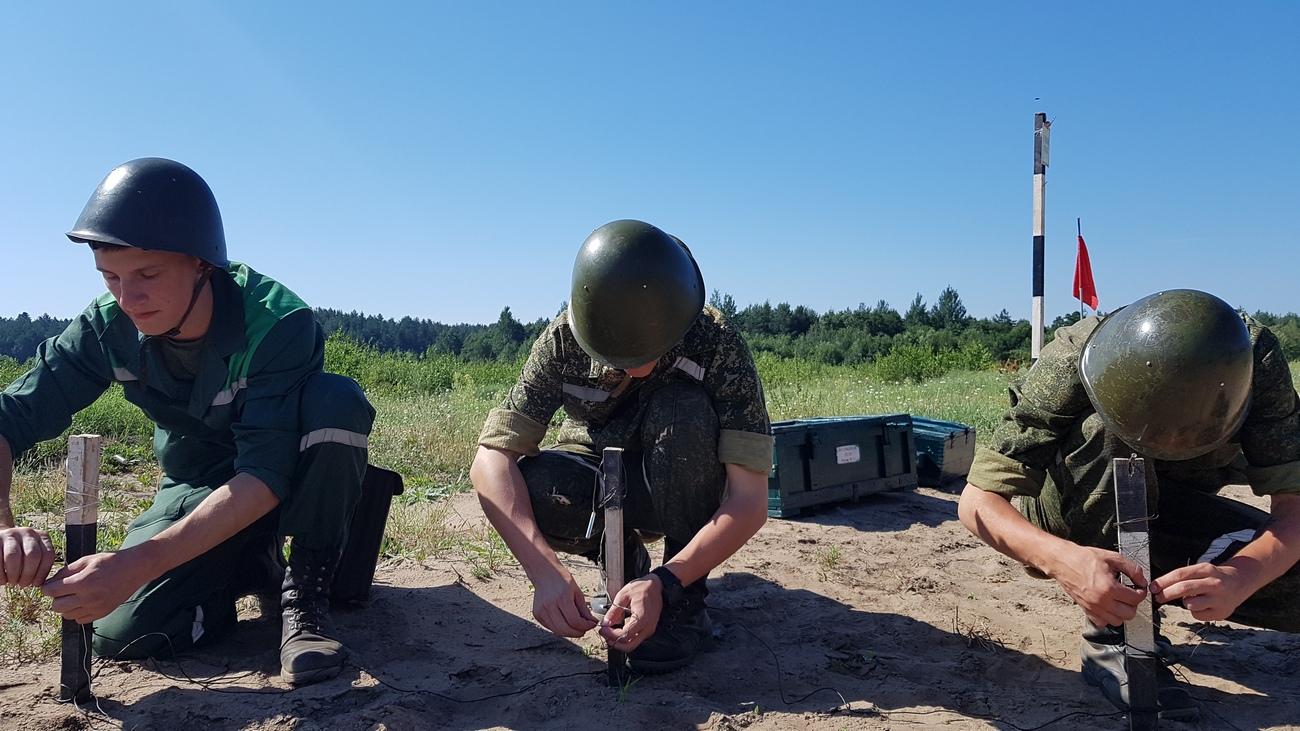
(254,399)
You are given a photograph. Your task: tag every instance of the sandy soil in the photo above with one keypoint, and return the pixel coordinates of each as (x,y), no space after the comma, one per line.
(914,624)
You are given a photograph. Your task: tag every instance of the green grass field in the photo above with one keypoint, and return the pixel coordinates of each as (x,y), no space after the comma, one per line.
(429,414)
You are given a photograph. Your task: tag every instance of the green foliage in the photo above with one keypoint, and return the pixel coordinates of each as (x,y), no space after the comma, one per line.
(393,372)
(919,363)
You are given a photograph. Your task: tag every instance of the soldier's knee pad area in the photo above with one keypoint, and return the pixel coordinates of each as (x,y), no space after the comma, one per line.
(328,400)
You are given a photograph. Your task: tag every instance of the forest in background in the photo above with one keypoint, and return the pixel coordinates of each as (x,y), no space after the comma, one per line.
(863,334)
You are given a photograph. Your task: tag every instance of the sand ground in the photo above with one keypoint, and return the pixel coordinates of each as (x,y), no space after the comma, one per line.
(889,606)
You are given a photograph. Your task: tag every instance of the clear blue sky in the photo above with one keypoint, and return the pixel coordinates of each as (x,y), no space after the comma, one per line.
(445,160)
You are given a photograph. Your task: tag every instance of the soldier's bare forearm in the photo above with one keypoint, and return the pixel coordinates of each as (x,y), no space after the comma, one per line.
(994,520)
(737,519)
(228,510)
(6,483)
(503,495)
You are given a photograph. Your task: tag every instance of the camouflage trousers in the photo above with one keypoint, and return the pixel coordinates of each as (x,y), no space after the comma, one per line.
(674,479)
(1189,525)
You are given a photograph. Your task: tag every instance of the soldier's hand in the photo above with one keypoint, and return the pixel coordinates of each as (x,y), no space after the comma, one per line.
(559,606)
(1091,577)
(1209,592)
(637,607)
(91,587)
(27,556)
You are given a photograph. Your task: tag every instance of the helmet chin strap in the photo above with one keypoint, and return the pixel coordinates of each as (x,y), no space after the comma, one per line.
(194,298)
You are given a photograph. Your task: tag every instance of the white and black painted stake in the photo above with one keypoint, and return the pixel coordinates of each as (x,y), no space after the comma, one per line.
(613,491)
(1042,130)
(81,528)
(1132,516)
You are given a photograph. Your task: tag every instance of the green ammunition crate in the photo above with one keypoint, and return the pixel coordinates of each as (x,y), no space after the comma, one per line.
(831,460)
(944,451)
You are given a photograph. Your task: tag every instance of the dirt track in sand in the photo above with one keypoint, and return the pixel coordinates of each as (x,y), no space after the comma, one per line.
(889,604)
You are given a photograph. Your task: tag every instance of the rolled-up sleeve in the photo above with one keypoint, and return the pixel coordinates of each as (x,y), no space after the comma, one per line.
(1270,436)
(519,423)
(732,382)
(1045,404)
(70,371)
(266,428)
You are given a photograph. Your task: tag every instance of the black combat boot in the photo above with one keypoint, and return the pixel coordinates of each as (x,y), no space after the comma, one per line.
(684,631)
(1102,654)
(636,563)
(308,651)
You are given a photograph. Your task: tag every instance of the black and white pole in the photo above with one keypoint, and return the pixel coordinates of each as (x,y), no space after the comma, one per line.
(613,491)
(1042,130)
(1132,516)
(81,528)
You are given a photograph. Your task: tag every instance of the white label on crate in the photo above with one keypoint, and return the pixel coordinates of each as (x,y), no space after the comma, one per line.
(848,454)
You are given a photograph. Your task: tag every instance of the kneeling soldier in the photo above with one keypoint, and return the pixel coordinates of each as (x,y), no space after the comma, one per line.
(255,442)
(636,362)
(1202,392)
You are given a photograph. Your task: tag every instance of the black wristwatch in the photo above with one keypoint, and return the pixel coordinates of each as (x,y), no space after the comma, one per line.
(672,586)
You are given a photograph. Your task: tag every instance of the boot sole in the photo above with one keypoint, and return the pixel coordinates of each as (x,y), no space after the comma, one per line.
(307,677)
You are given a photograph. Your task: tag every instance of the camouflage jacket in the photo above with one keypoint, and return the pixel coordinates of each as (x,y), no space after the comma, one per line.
(1045,436)
(594,397)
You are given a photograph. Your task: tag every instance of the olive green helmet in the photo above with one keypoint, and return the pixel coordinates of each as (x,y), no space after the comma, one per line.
(1170,374)
(636,291)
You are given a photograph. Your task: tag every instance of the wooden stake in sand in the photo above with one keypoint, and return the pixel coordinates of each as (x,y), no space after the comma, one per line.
(613,490)
(1132,516)
(81,526)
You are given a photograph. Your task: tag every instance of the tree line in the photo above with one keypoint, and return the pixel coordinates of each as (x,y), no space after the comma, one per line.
(861,334)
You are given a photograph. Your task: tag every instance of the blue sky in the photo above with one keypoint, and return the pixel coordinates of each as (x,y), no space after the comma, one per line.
(445,160)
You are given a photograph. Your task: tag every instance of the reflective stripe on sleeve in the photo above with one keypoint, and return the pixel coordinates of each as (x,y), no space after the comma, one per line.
(227,396)
(335,436)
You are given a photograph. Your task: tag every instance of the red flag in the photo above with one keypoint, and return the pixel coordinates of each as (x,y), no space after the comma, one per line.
(1084,288)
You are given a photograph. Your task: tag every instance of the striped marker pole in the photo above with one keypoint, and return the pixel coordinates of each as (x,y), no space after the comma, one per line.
(81,528)
(1042,129)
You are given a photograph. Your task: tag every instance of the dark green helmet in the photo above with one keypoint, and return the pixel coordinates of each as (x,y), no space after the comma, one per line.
(1170,374)
(154,203)
(636,291)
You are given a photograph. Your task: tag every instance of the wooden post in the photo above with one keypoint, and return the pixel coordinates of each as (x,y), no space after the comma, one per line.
(81,527)
(1042,130)
(613,490)
(1132,514)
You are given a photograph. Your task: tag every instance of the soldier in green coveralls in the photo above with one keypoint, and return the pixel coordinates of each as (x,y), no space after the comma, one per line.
(254,440)
(637,361)
(1205,394)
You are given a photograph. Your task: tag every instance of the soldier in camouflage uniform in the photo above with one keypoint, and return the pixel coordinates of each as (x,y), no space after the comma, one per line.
(1206,395)
(636,362)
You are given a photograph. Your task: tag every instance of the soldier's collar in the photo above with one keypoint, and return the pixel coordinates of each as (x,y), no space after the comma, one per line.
(226,334)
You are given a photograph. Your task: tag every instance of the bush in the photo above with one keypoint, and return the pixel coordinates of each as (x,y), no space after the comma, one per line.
(918,363)
(395,372)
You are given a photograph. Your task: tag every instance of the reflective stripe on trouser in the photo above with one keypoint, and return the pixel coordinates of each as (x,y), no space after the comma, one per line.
(195,603)
(674,479)
(1190,526)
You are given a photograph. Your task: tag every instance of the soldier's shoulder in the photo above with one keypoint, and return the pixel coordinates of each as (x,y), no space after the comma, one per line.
(1076,334)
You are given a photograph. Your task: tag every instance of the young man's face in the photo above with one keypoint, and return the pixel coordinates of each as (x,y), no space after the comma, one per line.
(153,288)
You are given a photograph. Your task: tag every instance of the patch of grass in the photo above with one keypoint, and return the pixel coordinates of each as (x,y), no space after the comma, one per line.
(487,554)
(828,559)
(29,630)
